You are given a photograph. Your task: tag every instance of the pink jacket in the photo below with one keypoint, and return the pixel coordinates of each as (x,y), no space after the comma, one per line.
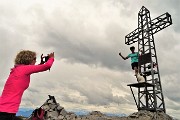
(17,82)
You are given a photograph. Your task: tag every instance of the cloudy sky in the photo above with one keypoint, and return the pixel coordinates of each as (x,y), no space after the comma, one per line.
(86,36)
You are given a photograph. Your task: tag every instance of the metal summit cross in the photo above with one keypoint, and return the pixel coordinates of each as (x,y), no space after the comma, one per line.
(150,95)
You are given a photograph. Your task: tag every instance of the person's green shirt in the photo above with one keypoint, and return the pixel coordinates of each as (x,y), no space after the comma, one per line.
(133,56)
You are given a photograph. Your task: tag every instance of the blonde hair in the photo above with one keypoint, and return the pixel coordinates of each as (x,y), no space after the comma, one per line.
(25,57)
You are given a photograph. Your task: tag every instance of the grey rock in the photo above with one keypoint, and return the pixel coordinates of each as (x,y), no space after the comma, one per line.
(63,112)
(56,112)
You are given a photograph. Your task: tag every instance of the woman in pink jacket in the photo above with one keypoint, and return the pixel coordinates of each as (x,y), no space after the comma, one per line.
(18,81)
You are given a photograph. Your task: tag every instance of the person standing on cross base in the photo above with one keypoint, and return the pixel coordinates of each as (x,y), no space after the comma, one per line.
(19,80)
(134,59)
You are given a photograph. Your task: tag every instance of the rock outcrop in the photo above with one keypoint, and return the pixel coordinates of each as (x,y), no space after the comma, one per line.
(147,115)
(53,111)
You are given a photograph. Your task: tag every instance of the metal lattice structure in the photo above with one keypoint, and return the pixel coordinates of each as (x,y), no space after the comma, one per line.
(150,94)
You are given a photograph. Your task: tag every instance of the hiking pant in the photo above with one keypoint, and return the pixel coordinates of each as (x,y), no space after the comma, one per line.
(8,116)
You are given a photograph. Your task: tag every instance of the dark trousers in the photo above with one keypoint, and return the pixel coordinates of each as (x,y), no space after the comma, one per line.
(8,116)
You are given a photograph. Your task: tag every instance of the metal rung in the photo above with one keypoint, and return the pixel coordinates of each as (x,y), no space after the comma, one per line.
(147,73)
(140,85)
(154,80)
(157,92)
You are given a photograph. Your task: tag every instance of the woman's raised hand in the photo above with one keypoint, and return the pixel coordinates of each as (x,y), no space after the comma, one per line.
(51,55)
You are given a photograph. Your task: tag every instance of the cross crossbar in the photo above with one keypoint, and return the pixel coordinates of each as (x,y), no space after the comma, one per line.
(157,24)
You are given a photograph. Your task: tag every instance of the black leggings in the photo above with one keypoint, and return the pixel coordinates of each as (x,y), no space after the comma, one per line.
(8,116)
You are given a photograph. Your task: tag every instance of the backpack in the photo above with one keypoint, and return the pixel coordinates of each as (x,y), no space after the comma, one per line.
(38,114)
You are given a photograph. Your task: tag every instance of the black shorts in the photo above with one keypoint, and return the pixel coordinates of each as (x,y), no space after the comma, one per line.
(135,64)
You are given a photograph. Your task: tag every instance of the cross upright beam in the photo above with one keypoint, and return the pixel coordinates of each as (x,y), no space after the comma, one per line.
(150,95)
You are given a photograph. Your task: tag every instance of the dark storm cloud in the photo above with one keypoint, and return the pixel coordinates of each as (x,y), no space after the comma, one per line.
(88,53)
(73,41)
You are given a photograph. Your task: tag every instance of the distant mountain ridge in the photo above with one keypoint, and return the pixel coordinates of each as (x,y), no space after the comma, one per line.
(26,112)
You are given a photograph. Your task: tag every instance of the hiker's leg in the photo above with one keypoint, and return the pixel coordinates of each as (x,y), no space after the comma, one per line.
(135,67)
(136,70)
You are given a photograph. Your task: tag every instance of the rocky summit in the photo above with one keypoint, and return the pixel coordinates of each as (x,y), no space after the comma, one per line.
(53,111)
